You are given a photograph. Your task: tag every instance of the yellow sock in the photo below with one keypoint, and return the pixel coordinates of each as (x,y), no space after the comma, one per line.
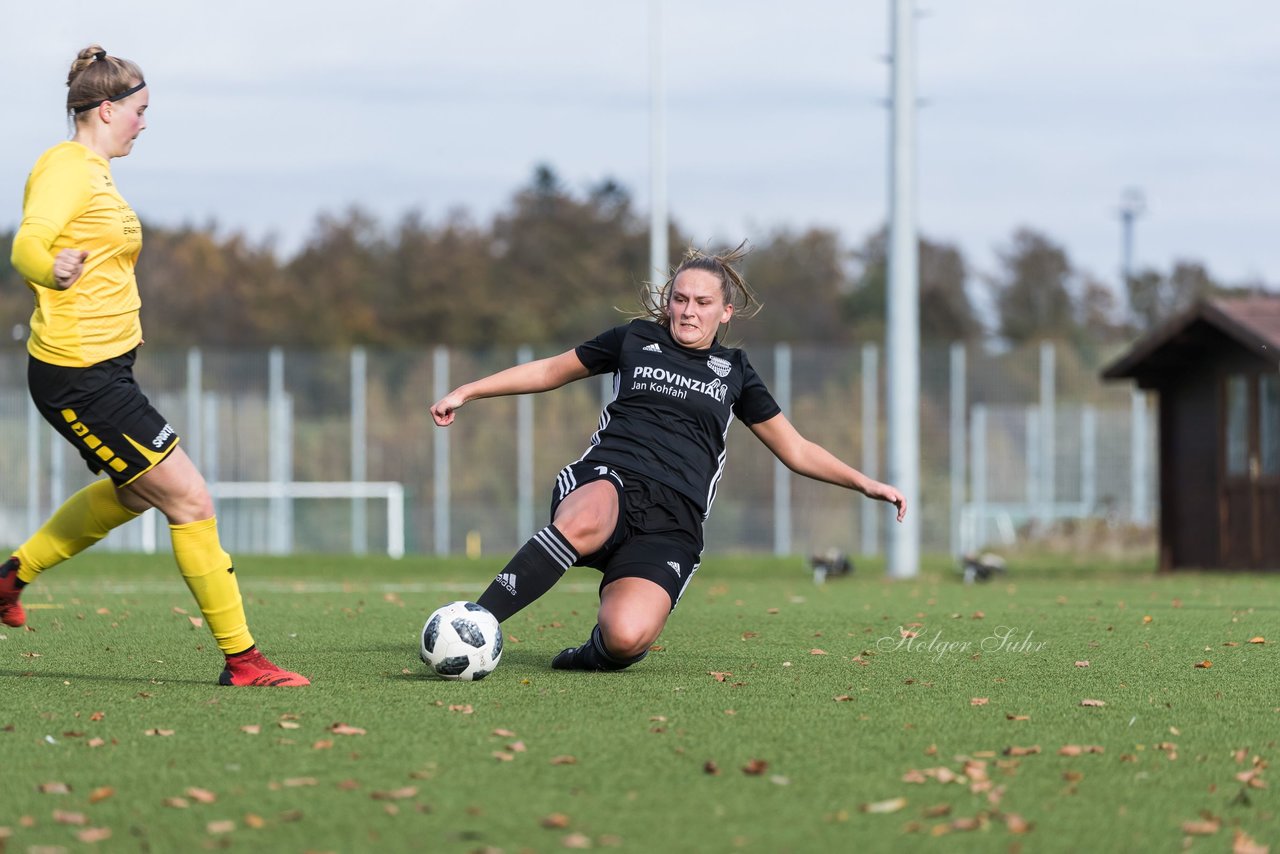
(81,521)
(211,578)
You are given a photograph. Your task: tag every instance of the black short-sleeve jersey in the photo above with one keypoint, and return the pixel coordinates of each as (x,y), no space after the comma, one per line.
(672,406)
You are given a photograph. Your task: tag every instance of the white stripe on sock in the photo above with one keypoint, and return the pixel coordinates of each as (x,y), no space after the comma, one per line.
(556,548)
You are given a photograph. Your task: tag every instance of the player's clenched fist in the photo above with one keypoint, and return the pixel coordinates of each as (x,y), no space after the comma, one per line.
(68,266)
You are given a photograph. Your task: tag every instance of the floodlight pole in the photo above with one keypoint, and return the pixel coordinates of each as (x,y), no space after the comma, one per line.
(1133,204)
(659,254)
(903,321)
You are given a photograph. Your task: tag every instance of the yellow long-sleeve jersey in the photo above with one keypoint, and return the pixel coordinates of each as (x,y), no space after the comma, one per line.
(71,202)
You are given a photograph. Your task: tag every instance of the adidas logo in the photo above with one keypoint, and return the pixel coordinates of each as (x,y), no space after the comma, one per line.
(675,567)
(507,580)
(652,348)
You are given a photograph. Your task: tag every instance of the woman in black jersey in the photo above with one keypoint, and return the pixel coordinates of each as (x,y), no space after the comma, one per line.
(633,505)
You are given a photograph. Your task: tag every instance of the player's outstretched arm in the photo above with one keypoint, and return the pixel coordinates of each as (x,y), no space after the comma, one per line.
(539,375)
(812,460)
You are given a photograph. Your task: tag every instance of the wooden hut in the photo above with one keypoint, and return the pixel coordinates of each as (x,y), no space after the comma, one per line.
(1216,371)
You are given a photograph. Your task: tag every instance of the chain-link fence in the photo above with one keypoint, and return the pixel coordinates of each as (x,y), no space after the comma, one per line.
(336,451)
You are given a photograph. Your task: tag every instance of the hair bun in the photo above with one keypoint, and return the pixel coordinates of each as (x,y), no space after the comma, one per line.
(100,55)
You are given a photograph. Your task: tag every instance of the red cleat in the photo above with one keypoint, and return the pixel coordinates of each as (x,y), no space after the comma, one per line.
(253,669)
(11,613)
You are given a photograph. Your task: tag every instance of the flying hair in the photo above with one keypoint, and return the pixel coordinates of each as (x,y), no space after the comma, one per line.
(723,265)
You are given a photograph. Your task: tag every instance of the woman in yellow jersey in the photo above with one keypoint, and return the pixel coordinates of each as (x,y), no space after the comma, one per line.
(76,248)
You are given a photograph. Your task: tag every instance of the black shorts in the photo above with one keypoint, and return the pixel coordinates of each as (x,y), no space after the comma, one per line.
(104,414)
(659,532)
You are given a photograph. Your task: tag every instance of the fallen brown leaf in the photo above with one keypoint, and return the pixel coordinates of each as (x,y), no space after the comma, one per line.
(891,805)
(1082,664)
(202,796)
(504,733)
(576,840)
(223,826)
(710,767)
(564,760)
(755,767)
(1258,639)
(1017,717)
(1016,823)
(1243,843)
(66,817)
(395,794)
(257,822)
(53,788)
(557,820)
(101,794)
(978,701)
(816,651)
(719,676)
(176,803)
(1014,750)
(1201,827)
(1093,703)
(346,729)
(1204,665)
(94,834)
(251,729)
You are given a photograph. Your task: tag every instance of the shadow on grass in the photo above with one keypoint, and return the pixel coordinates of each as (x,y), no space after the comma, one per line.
(98,677)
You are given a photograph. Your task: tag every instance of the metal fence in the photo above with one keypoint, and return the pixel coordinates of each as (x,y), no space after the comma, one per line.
(315,452)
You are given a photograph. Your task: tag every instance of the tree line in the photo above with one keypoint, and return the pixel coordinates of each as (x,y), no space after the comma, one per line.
(556,265)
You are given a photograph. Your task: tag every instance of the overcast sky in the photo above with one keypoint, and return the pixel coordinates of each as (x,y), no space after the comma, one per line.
(1035,113)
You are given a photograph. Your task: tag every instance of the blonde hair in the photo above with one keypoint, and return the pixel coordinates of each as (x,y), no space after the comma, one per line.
(96,77)
(724,266)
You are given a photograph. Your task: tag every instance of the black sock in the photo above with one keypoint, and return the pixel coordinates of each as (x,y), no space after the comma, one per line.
(533,571)
(592,655)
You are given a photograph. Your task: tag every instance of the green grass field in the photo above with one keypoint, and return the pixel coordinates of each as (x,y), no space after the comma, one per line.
(1046,711)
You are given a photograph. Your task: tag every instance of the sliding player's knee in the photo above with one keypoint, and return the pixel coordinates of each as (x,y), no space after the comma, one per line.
(625,639)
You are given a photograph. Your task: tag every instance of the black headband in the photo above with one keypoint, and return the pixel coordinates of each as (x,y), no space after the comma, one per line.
(118,97)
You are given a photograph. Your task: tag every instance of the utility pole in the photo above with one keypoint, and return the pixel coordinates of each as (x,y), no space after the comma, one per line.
(903,321)
(1133,204)
(659,254)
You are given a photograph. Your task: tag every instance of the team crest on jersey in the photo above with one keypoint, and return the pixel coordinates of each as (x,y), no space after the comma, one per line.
(719,366)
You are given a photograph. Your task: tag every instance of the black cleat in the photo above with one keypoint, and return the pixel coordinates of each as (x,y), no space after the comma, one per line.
(566,659)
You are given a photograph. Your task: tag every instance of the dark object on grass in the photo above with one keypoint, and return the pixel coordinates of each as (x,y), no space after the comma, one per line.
(982,567)
(833,563)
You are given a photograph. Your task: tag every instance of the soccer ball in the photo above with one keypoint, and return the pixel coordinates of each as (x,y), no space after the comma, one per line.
(461,640)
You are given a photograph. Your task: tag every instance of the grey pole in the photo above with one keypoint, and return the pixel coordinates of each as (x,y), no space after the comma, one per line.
(1048,393)
(34,423)
(904,300)
(440,450)
(359,448)
(1133,204)
(191,438)
(958,444)
(870,522)
(782,474)
(659,253)
(524,456)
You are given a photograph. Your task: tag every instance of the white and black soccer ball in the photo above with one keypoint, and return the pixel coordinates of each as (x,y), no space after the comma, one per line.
(461,640)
